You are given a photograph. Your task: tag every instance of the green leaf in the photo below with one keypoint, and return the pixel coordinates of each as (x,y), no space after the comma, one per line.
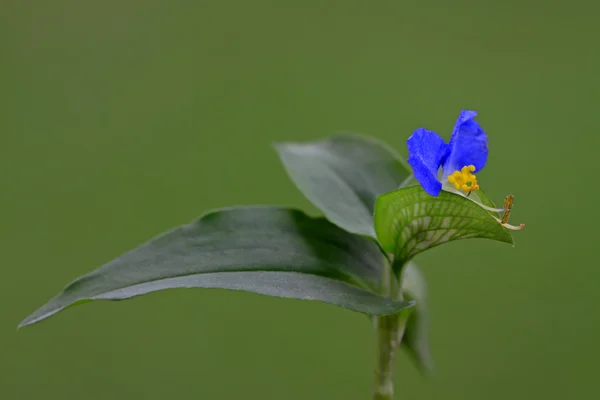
(343,175)
(409,221)
(416,335)
(267,250)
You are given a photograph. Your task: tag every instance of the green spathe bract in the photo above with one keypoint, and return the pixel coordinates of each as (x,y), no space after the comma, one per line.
(356,257)
(409,221)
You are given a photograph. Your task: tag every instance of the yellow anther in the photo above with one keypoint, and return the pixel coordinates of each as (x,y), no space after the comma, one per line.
(466,169)
(508,203)
(464,179)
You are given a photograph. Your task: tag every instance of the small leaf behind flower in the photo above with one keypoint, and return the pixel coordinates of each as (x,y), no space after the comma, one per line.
(409,221)
(267,250)
(343,175)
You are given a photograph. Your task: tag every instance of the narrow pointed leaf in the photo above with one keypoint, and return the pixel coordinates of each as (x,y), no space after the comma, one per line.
(409,221)
(267,250)
(343,175)
(416,335)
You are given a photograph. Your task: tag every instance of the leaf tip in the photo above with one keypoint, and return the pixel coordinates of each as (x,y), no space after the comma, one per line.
(428,371)
(408,305)
(40,314)
(26,322)
(30,320)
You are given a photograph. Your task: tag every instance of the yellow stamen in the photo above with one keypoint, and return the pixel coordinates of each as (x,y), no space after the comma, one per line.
(508,203)
(464,179)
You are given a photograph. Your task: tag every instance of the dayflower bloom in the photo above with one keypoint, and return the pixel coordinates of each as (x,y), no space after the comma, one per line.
(436,164)
(466,153)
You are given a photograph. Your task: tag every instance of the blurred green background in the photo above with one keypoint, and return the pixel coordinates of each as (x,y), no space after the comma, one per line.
(120,120)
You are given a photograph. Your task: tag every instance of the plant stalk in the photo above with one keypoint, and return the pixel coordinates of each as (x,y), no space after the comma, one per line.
(389,331)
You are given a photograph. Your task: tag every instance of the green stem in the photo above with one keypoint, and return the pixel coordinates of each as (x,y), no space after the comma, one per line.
(389,330)
(386,349)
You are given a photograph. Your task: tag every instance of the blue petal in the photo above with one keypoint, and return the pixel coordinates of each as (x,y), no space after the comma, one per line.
(426,153)
(468,144)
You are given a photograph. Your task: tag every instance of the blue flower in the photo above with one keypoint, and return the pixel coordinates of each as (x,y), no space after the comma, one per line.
(466,153)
